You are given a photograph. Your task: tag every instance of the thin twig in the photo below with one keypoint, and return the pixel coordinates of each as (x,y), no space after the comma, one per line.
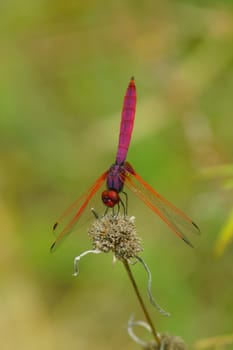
(147,316)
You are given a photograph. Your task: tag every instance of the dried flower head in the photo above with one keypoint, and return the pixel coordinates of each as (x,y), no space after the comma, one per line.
(172,342)
(116,233)
(167,342)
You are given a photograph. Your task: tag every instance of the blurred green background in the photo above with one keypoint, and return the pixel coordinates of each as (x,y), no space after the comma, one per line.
(64,68)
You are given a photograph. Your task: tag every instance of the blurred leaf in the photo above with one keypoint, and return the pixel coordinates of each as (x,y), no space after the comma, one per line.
(218,171)
(225,236)
(218,342)
(228,184)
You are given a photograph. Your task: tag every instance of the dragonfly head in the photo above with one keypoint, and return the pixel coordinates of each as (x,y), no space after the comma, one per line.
(110,198)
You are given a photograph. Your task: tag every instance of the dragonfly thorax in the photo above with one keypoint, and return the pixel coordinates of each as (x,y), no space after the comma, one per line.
(110,198)
(116,177)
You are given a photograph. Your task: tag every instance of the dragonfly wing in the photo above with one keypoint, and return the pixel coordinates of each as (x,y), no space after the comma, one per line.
(78,207)
(179,222)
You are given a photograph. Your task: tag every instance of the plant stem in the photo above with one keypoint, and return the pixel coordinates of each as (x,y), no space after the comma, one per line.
(147,316)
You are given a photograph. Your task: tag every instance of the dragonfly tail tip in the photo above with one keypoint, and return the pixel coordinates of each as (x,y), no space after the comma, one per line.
(132,82)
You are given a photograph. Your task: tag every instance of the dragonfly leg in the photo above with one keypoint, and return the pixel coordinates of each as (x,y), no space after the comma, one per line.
(118,208)
(125,205)
(115,211)
(95,213)
(106,211)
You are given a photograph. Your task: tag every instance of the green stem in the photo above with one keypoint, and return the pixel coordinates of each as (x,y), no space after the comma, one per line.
(147,316)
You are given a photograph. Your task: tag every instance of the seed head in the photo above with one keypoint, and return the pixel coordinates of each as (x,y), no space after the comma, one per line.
(116,233)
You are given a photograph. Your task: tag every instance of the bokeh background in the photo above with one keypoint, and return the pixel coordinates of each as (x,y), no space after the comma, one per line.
(64,68)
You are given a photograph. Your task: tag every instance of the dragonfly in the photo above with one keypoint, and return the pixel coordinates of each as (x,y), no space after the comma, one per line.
(121,174)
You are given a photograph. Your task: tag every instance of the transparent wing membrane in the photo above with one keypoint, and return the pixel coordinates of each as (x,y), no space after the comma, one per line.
(179,222)
(72,215)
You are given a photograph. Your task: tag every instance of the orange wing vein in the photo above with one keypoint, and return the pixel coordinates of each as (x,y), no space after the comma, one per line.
(81,204)
(179,222)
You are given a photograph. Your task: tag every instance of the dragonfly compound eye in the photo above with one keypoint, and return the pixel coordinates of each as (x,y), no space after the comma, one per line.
(110,198)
